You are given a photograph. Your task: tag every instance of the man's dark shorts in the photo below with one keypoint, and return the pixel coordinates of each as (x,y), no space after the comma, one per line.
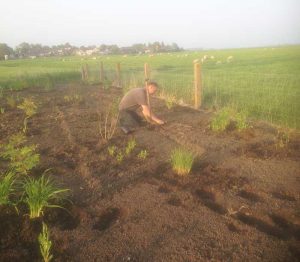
(130,119)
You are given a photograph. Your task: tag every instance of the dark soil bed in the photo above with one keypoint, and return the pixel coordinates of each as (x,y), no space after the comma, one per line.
(239,203)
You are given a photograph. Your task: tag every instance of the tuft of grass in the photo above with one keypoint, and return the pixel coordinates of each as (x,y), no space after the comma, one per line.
(182,161)
(39,194)
(221,120)
(120,157)
(45,243)
(283,138)
(130,146)
(2,110)
(6,188)
(241,120)
(143,154)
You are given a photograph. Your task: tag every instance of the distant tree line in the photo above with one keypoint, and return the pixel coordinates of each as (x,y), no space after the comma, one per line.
(25,50)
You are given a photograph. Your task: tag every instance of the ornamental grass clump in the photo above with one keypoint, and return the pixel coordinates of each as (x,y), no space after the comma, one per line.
(40,193)
(45,243)
(6,188)
(182,161)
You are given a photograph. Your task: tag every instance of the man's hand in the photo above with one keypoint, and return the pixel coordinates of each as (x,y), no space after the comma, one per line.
(160,122)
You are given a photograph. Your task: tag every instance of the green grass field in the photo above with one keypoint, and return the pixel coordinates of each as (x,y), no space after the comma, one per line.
(263,82)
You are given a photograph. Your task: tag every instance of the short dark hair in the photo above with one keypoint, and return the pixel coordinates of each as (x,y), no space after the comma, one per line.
(152,83)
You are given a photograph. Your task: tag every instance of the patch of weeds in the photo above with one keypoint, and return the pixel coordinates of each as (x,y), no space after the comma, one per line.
(130,146)
(40,193)
(6,188)
(45,243)
(22,158)
(112,150)
(73,98)
(182,161)
(143,155)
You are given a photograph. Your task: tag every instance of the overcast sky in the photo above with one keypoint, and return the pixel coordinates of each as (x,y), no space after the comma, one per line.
(189,23)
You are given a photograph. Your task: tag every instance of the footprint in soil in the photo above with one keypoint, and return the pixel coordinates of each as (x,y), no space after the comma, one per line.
(108,218)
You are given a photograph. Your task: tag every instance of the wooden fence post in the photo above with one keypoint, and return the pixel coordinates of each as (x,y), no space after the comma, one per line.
(86,71)
(101,72)
(118,74)
(82,73)
(147,76)
(197,85)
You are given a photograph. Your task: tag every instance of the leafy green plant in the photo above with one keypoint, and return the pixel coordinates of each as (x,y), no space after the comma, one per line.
(112,150)
(6,188)
(22,158)
(38,193)
(169,99)
(241,120)
(30,109)
(182,161)
(45,243)
(120,157)
(221,120)
(143,154)
(2,110)
(130,146)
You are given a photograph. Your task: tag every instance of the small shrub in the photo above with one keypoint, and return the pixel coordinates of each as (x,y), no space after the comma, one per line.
(182,161)
(221,120)
(130,146)
(22,158)
(38,193)
(108,123)
(45,243)
(143,155)
(112,150)
(30,109)
(6,188)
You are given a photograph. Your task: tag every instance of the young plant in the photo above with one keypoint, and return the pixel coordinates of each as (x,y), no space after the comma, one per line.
(221,120)
(2,110)
(120,157)
(6,188)
(108,123)
(112,150)
(30,109)
(45,243)
(130,146)
(39,194)
(22,158)
(182,161)
(283,138)
(143,155)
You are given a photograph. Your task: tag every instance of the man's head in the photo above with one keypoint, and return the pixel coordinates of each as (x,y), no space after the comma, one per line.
(152,87)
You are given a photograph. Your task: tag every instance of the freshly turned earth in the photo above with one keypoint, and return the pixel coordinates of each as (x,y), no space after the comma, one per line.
(239,203)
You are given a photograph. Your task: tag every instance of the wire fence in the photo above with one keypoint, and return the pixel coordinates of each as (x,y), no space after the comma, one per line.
(271,97)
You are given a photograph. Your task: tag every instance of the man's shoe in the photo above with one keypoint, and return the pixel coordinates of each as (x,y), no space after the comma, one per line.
(125,130)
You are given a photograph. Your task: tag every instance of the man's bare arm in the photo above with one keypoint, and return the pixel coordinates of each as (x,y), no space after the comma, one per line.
(146,113)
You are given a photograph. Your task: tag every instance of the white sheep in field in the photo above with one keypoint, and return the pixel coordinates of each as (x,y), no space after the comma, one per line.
(229,59)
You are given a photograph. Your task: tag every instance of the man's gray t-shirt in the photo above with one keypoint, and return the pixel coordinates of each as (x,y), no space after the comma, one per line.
(135,98)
